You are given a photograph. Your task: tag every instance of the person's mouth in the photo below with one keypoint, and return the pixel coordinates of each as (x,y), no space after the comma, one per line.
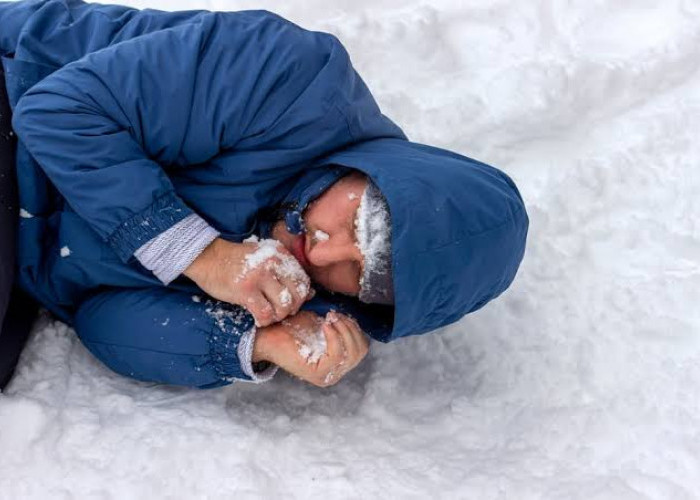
(299,250)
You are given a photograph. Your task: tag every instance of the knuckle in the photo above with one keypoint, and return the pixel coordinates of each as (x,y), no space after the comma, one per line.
(261,322)
(265,314)
(281,315)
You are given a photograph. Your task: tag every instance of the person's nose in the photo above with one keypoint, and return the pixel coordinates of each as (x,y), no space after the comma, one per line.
(325,253)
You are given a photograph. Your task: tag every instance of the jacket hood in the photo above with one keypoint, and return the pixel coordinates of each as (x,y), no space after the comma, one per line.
(459,229)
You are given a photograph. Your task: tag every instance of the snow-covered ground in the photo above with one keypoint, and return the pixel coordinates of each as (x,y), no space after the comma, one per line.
(581,382)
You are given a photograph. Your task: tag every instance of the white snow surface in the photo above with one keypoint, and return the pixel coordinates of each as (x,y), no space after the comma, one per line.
(581,382)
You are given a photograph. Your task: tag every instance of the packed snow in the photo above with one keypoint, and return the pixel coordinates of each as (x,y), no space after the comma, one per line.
(311,342)
(265,250)
(285,296)
(582,381)
(321,236)
(270,253)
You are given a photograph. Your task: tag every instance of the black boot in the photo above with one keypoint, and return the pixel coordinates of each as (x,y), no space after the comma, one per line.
(21,313)
(17,310)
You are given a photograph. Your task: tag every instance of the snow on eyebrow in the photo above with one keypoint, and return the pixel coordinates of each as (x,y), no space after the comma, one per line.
(372,234)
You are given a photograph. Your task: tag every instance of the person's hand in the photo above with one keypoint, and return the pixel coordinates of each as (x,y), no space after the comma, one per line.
(262,277)
(317,350)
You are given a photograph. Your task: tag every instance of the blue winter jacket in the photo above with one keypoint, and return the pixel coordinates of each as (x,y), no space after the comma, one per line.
(128,121)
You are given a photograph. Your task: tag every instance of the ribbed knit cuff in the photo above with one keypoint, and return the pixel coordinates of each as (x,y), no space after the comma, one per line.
(172,251)
(161,215)
(245,358)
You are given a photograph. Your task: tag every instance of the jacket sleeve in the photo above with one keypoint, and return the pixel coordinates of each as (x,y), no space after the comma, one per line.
(170,253)
(108,127)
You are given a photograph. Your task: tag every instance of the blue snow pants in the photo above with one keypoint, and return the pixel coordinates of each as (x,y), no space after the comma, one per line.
(164,335)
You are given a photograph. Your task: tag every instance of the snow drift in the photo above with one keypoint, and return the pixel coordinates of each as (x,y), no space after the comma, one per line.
(581,381)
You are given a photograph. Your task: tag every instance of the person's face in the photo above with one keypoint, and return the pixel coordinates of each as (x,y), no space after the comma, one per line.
(328,250)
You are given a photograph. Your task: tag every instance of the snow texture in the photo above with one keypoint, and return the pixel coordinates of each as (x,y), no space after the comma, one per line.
(267,249)
(310,342)
(285,296)
(302,289)
(268,253)
(373,236)
(321,236)
(581,382)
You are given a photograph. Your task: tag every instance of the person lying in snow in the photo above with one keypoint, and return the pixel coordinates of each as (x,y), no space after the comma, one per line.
(161,153)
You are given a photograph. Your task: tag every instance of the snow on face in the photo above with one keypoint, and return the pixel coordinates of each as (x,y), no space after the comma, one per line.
(373,235)
(321,236)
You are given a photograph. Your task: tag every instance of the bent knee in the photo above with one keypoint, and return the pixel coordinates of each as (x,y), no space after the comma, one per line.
(157,335)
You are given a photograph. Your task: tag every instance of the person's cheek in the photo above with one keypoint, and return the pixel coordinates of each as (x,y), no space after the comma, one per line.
(345,281)
(320,276)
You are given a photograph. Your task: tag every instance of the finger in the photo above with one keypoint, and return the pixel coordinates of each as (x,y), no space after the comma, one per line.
(361,340)
(334,343)
(334,362)
(353,331)
(346,335)
(359,335)
(279,296)
(297,299)
(261,309)
(303,288)
(288,267)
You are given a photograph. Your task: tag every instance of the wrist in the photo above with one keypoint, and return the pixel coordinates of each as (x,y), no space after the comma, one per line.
(263,349)
(196,268)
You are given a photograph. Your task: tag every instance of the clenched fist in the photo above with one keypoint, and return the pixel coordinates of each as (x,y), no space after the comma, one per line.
(318,350)
(262,277)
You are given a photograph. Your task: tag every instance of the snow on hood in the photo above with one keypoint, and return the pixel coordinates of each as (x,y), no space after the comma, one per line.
(459,229)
